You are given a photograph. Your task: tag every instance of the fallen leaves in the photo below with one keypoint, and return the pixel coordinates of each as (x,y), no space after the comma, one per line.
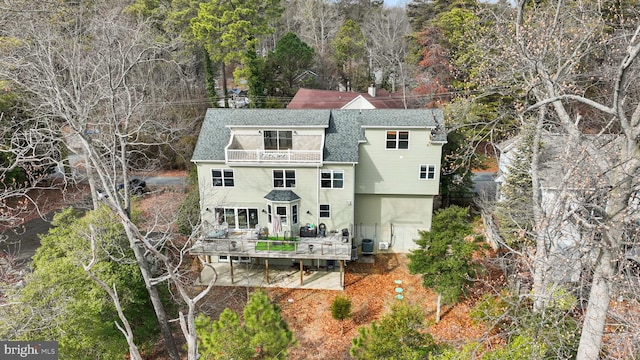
(372,289)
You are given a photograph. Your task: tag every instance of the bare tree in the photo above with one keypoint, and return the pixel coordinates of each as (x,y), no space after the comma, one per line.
(317,22)
(574,71)
(94,79)
(388,45)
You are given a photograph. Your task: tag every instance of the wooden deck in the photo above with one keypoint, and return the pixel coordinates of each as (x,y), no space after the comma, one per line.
(323,248)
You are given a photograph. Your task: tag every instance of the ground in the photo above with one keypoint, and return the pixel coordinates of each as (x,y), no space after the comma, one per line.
(372,289)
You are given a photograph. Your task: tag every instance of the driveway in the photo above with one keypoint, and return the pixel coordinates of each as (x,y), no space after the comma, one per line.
(23,241)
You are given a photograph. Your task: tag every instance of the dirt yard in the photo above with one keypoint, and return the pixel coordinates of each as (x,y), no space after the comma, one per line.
(372,289)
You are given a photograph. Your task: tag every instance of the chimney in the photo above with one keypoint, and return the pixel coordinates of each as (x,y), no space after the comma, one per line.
(372,91)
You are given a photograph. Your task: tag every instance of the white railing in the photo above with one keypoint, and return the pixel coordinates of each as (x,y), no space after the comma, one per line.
(274,156)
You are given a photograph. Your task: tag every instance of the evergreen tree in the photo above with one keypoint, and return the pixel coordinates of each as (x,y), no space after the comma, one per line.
(349,46)
(290,58)
(59,301)
(266,328)
(397,335)
(444,257)
(224,339)
(341,309)
(264,334)
(228,30)
(515,206)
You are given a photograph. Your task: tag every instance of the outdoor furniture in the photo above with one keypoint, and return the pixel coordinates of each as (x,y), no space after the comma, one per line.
(219,231)
(305,231)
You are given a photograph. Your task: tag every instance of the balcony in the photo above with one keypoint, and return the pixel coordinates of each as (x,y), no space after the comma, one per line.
(259,156)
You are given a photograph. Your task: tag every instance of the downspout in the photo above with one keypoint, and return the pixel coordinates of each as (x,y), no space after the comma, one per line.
(353,204)
(317,210)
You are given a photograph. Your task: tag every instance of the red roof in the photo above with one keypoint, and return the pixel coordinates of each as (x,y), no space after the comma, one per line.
(331,99)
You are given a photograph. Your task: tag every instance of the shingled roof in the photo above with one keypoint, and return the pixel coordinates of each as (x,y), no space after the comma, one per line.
(344,129)
(331,99)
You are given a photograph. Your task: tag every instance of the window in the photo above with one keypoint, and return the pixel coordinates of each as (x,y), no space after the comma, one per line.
(269,213)
(427,172)
(284,178)
(277,140)
(325,211)
(238,218)
(294,214)
(332,179)
(222,177)
(282,213)
(397,139)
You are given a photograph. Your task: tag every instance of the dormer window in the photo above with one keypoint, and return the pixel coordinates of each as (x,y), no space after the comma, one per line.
(278,140)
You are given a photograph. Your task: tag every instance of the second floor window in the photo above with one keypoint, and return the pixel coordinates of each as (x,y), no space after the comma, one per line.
(427,172)
(222,177)
(278,140)
(284,178)
(332,179)
(397,139)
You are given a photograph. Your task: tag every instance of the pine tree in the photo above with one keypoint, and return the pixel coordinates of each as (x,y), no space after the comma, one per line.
(269,333)
(224,338)
(444,257)
(515,207)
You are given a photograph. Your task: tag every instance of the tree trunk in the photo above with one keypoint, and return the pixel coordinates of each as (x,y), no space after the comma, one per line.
(605,266)
(156,300)
(594,320)
(438,308)
(540,267)
(224,85)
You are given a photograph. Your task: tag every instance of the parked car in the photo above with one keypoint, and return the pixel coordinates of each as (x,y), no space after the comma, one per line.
(136,186)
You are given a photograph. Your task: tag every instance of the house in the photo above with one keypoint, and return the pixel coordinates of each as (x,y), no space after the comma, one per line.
(573,192)
(341,183)
(331,99)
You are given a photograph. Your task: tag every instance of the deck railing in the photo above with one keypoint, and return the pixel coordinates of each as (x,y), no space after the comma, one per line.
(315,248)
(274,156)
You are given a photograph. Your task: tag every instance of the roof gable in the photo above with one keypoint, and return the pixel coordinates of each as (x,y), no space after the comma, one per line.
(331,99)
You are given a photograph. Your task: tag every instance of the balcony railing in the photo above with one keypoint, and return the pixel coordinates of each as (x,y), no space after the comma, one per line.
(275,156)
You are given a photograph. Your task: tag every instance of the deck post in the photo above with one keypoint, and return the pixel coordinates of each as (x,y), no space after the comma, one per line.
(266,268)
(301,272)
(341,273)
(231,267)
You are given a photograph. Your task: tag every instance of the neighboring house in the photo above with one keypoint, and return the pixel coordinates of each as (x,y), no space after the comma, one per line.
(331,99)
(569,196)
(307,77)
(359,177)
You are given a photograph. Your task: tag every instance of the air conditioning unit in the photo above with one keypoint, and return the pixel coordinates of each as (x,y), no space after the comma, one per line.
(383,245)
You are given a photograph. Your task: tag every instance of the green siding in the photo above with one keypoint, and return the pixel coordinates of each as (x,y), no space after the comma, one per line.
(253,183)
(408,214)
(396,171)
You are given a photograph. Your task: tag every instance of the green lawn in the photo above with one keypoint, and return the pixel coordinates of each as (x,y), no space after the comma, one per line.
(276,246)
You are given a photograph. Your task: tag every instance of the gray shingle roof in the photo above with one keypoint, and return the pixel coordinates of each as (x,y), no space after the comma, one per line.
(282,195)
(214,134)
(344,128)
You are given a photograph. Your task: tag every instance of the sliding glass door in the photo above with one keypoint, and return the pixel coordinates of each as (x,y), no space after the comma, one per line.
(239,218)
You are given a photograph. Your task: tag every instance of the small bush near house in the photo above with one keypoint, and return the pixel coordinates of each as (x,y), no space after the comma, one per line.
(341,309)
